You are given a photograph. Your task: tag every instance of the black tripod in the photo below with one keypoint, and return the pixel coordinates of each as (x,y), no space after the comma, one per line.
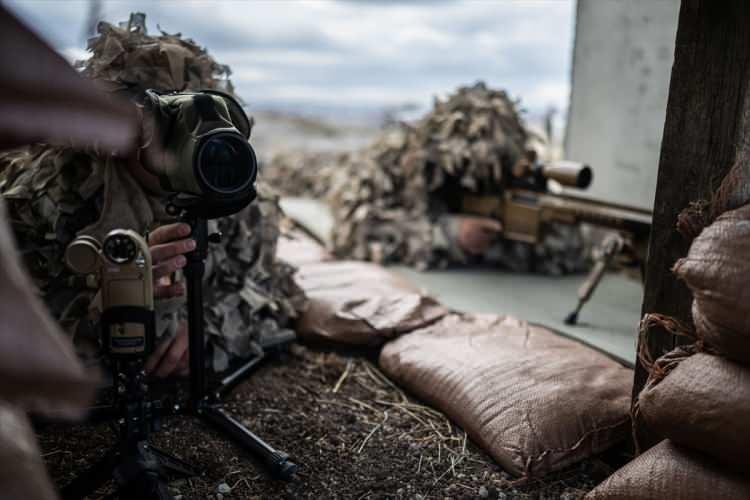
(140,470)
(204,404)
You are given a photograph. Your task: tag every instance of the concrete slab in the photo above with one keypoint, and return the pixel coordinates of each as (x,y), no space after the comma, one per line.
(609,321)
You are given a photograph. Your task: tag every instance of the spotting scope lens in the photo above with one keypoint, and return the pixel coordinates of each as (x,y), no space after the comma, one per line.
(226,163)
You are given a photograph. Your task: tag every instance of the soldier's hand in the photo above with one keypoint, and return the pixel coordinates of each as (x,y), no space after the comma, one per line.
(168,244)
(171,357)
(476,234)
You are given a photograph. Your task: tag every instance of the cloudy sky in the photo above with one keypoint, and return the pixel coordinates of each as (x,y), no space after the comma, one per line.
(353,54)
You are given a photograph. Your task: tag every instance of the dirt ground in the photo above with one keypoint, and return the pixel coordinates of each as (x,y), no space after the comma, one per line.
(353,433)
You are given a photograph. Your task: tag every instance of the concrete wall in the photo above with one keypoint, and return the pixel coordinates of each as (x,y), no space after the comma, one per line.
(622,62)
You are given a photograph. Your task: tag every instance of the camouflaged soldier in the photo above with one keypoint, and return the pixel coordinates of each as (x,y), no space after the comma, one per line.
(393,201)
(55,194)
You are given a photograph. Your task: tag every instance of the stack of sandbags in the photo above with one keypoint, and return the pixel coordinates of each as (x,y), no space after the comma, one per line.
(537,402)
(698,397)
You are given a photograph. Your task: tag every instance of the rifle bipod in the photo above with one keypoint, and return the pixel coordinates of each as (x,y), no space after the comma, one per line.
(610,248)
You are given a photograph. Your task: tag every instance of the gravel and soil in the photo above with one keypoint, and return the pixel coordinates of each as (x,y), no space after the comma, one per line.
(354,434)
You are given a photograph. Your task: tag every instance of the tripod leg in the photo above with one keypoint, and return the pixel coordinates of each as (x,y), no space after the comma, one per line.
(277,461)
(233,379)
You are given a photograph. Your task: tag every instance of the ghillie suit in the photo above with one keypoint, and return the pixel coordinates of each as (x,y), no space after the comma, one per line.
(57,193)
(391,201)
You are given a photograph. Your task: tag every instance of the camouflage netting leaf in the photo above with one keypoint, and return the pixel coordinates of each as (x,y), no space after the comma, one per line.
(127,58)
(382,197)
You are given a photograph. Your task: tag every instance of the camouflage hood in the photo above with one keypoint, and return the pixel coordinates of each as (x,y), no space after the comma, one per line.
(126,58)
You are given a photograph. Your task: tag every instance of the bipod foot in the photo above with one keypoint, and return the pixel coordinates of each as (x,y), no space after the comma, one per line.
(572,318)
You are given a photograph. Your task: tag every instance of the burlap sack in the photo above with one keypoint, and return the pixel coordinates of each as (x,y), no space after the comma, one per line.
(669,472)
(297,248)
(717,270)
(359,303)
(703,402)
(534,400)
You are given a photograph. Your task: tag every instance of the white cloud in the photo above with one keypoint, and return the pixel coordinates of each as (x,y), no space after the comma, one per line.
(355,53)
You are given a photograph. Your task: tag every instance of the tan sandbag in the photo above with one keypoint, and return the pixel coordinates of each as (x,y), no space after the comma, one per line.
(359,303)
(670,472)
(702,403)
(297,248)
(534,400)
(717,270)
(22,472)
(42,98)
(38,368)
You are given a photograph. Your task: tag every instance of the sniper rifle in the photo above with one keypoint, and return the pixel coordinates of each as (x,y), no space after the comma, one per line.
(530,203)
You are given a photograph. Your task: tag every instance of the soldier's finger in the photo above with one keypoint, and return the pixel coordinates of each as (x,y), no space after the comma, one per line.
(168,232)
(169,291)
(171,358)
(164,251)
(169,266)
(155,357)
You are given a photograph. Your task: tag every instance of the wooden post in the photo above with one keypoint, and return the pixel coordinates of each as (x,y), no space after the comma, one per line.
(707,126)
